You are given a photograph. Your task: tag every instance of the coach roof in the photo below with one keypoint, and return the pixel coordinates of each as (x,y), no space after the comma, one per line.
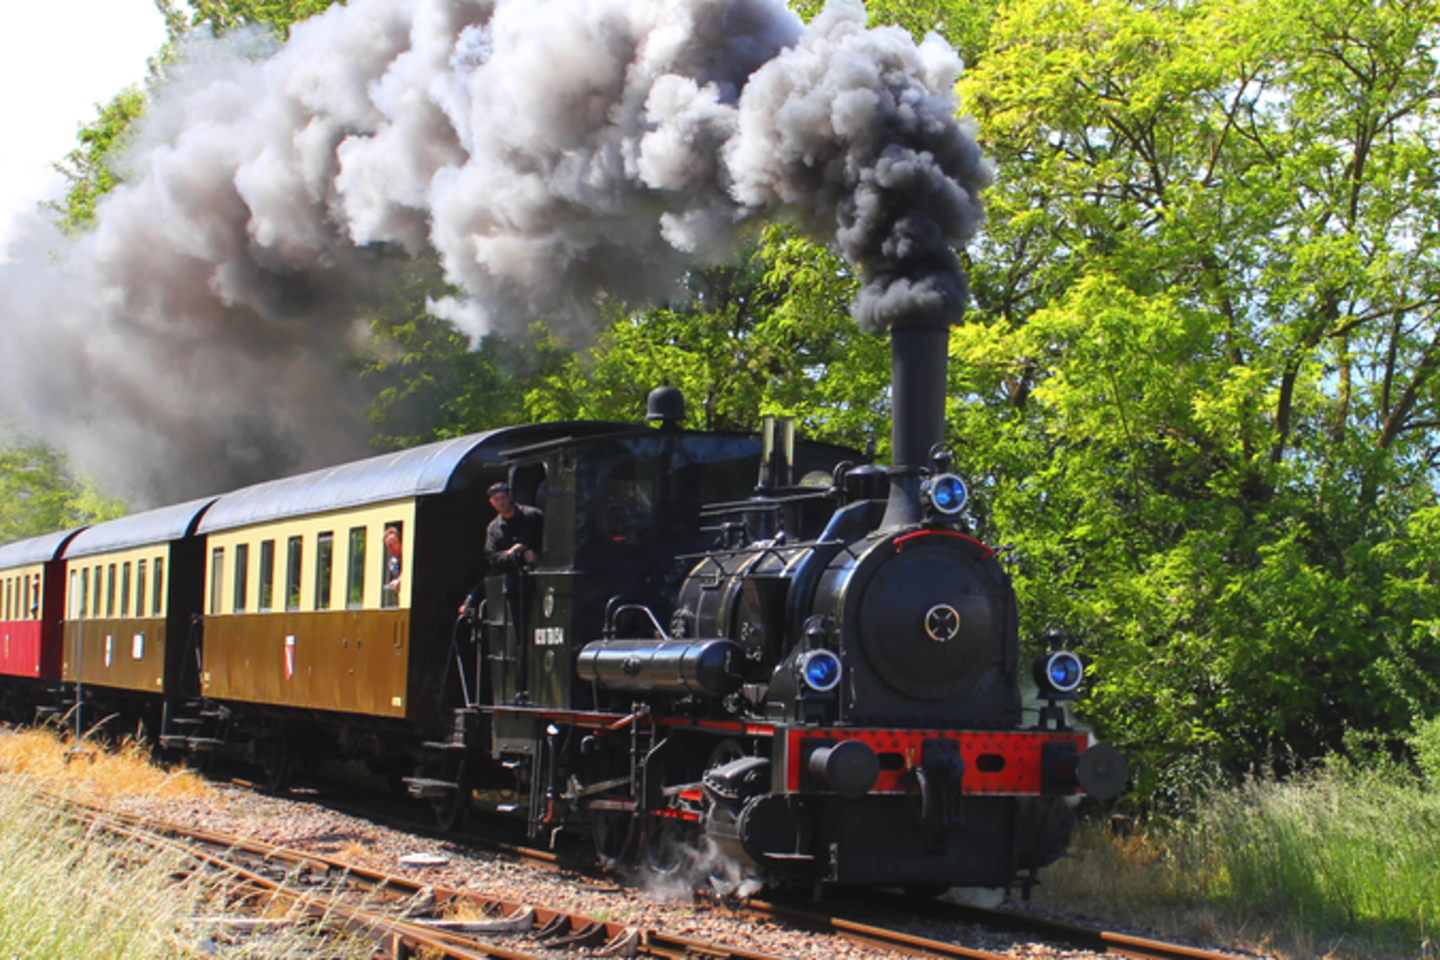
(35,550)
(442,467)
(139,529)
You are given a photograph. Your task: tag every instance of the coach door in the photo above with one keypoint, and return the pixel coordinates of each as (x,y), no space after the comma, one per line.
(512,611)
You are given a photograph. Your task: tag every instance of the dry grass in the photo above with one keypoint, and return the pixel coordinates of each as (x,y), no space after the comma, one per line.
(57,891)
(59,763)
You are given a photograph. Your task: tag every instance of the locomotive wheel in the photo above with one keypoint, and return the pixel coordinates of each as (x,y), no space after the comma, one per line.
(665,842)
(275,766)
(453,807)
(612,832)
(925,891)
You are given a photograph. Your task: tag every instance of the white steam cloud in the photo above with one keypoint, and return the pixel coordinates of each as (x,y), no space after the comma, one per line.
(546,150)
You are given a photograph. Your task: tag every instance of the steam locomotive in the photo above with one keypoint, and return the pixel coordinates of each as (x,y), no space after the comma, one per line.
(755,646)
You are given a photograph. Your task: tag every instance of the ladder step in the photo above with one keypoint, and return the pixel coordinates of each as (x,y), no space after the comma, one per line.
(424,788)
(446,745)
(197,744)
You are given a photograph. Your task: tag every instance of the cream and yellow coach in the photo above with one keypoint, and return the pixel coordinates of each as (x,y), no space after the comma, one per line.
(129,604)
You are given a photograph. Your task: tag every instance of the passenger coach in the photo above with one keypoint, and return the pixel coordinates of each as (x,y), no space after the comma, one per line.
(32,594)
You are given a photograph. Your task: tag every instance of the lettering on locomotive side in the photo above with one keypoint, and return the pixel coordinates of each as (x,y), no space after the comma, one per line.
(549,636)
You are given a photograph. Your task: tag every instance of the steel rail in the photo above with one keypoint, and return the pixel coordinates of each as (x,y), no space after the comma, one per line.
(578,929)
(553,928)
(1086,938)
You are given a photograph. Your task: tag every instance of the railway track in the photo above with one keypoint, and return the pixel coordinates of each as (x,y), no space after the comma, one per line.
(1100,942)
(404,916)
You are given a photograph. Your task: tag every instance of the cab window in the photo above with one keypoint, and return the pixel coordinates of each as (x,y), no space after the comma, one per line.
(628,495)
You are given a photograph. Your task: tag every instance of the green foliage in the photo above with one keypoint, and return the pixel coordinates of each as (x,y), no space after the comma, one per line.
(1424,742)
(770,334)
(428,380)
(965,24)
(39,494)
(1198,392)
(90,167)
(95,166)
(223,15)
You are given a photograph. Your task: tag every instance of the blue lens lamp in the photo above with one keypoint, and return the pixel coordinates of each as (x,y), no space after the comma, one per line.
(1058,674)
(819,670)
(944,494)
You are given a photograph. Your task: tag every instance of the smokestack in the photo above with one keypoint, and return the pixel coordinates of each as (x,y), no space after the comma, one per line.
(918,361)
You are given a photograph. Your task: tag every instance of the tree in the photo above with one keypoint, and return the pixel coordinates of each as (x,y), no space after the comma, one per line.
(39,494)
(95,166)
(430,382)
(90,167)
(225,15)
(769,334)
(1200,390)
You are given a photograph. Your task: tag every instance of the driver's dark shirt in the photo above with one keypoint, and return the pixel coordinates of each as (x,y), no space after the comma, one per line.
(525,527)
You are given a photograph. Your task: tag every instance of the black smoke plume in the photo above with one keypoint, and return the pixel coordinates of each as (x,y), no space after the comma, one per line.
(547,151)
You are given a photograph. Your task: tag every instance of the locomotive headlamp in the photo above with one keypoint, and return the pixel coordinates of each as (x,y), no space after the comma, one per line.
(1058,673)
(944,493)
(820,669)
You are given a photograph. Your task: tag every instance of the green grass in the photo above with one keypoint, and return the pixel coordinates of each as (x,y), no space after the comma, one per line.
(63,894)
(1339,862)
(1336,853)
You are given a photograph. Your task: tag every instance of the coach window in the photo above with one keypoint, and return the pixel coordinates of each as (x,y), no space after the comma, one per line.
(217,574)
(6,608)
(324,568)
(25,605)
(267,575)
(125,589)
(293,552)
(77,597)
(139,588)
(95,606)
(159,591)
(85,593)
(242,576)
(390,564)
(355,570)
(110,590)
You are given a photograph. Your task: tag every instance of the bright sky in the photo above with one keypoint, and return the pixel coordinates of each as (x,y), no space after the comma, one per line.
(58,59)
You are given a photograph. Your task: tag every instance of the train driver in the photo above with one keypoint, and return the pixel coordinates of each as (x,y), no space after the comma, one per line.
(512,541)
(512,545)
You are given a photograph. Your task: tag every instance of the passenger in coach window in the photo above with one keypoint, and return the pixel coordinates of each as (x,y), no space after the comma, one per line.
(392,557)
(392,545)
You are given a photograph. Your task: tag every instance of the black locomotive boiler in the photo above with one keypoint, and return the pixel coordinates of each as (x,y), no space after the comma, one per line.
(753,652)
